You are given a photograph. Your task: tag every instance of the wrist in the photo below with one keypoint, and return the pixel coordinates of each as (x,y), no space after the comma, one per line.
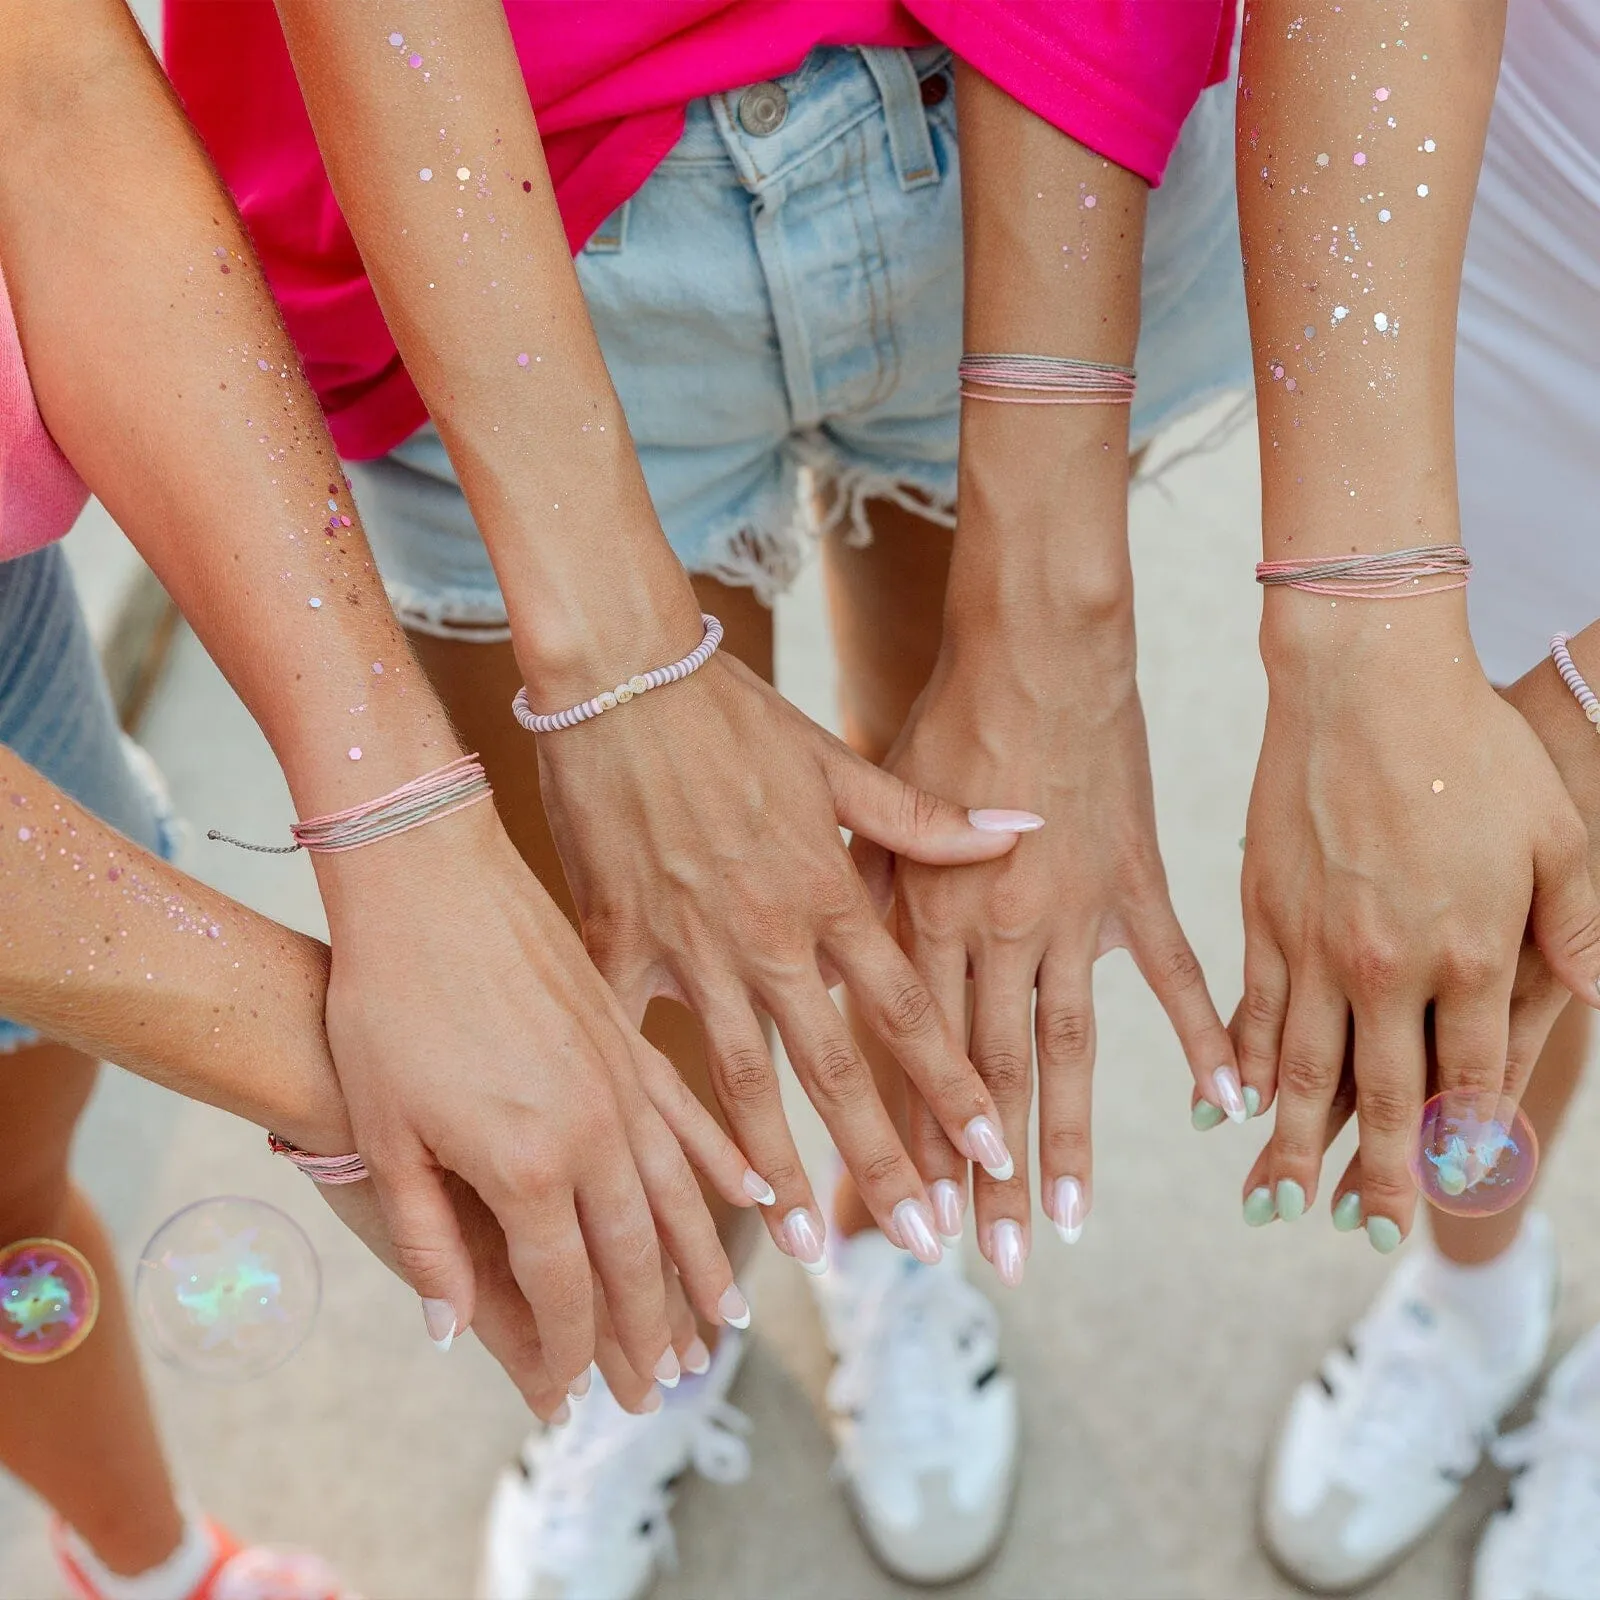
(1312,642)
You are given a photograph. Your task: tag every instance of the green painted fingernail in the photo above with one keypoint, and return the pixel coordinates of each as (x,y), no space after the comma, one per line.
(1347,1213)
(1205,1116)
(1252,1100)
(1384,1234)
(1291,1200)
(1258,1208)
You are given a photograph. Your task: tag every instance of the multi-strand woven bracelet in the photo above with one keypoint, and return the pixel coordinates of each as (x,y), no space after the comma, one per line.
(1028,380)
(1390,575)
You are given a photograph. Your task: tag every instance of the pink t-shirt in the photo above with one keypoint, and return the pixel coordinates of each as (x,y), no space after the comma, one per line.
(40,494)
(609,80)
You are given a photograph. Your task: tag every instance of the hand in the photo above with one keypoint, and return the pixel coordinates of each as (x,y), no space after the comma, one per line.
(1073,750)
(700,833)
(1405,829)
(472,1035)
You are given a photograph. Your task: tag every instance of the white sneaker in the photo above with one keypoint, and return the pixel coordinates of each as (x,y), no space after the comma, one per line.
(582,1513)
(924,1420)
(1375,1449)
(1545,1543)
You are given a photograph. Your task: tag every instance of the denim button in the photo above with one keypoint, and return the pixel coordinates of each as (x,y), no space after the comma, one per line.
(763,108)
(934,89)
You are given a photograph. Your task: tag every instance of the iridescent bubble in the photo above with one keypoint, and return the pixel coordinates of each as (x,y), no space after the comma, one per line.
(227,1288)
(49,1299)
(1474,1154)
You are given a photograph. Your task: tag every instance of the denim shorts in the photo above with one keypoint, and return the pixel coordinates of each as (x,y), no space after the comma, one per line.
(780,307)
(56,713)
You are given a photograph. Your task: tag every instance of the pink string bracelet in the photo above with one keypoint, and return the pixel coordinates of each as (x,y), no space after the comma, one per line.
(1581,692)
(1391,575)
(330,1170)
(641,683)
(1045,381)
(441,793)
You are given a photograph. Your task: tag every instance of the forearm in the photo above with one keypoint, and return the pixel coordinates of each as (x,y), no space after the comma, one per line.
(1053,237)
(1360,133)
(477,284)
(164,373)
(109,949)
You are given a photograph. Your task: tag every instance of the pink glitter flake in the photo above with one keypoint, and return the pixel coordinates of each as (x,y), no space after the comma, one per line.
(1089,202)
(414,61)
(355,752)
(1360,158)
(24,834)
(522,360)
(1380,94)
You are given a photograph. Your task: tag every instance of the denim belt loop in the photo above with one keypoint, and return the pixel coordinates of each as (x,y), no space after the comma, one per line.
(609,238)
(910,143)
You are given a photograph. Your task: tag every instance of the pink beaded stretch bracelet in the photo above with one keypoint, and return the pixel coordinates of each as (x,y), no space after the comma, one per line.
(642,683)
(320,1169)
(1574,680)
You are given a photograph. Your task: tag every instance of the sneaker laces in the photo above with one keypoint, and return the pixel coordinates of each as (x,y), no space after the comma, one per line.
(1557,1496)
(903,1328)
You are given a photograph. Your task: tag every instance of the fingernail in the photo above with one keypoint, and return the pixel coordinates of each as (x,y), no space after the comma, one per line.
(579,1386)
(1291,1200)
(1068,1211)
(992,820)
(758,1188)
(1008,1251)
(697,1358)
(802,1238)
(1229,1096)
(561,1416)
(1347,1213)
(667,1370)
(1206,1116)
(733,1308)
(915,1227)
(1383,1234)
(1258,1211)
(988,1149)
(439,1318)
(651,1403)
(947,1208)
(1252,1100)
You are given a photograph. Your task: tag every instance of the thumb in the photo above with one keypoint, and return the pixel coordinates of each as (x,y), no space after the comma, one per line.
(427,1247)
(915,824)
(1565,914)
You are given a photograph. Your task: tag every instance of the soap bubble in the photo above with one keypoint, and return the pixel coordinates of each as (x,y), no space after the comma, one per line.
(227,1288)
(49,1299)
(1474,1154)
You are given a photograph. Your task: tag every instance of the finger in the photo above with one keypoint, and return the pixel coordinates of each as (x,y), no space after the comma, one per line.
(1471,1034)
(1002,1051)
(837,1079)
(699,1134)
(746,1086)
(900,1008)
(1314,1034)
(633,1390)
(1257,1026)
(914,823)
(1339,1113)
(875,866)
(692,1350)
(1565,915)
(1537,1001)
(548,1259)
(1346,1204)
(429,1251)
(1064,1036)
(1391,1080)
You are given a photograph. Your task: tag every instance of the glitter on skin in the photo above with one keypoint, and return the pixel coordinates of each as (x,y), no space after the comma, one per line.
(355,752)
(397,39)
(1089,202)
(1422,191)
(1360,158)
(1322,160)
(1380,322)
(1383,216)
(314,603)
(522,360)
(463,173)
(1380,94)
(414,61)
(1438,785)
(426,174)
(1429,146)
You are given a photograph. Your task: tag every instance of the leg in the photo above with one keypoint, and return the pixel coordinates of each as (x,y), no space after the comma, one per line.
(79,1432)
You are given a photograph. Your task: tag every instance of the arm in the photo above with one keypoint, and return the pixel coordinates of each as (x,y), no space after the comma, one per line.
(735,888)
(1404,823)
(1033,697)
(161,367)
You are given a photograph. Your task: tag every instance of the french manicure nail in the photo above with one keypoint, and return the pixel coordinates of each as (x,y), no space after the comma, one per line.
(561,1416)
(1291,1200)
(651,1403)
(667,1371)
(697,1358)
(1252,1100)
(1347,1212)
(947,1208)
(579,1386)
(1229,1096)
(1258,1208)
(1068,1211)
(802,1238)
(988,1149)
(1383,1234)
(758,1188)
(993,820)
(733,1308)
(915,1227)
(439,1318)
(1008,1251)
(1206,1116)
